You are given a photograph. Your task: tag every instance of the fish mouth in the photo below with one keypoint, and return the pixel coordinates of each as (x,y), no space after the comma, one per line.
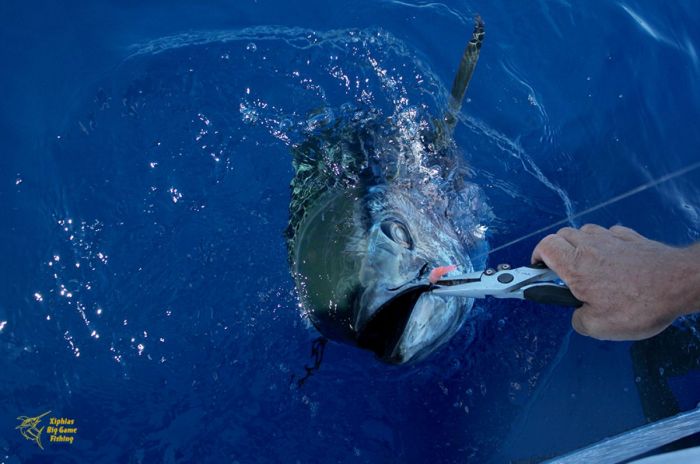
(383,331)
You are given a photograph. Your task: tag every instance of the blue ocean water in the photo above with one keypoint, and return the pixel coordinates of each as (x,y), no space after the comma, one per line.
(144,175)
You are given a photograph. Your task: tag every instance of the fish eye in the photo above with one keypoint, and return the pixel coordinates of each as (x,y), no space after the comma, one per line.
(397,232)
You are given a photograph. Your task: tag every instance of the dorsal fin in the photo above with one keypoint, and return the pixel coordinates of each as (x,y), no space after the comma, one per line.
(464,73)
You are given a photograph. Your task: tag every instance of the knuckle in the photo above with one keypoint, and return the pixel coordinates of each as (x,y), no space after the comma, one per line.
(565,231)
(620,230)
(576,281)
(581,253)
(589,228)
(585,252)
(623,232)
(549,238)
(547,243)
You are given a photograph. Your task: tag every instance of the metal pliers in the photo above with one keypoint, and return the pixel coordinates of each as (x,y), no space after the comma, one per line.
(535,283)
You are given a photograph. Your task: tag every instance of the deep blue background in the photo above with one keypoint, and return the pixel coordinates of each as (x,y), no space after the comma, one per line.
(199,332)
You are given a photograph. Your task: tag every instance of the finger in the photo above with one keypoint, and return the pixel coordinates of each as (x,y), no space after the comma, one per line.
(625,233)
(577,324)
(583,322)
(555,252)
(571,235)
(593,229)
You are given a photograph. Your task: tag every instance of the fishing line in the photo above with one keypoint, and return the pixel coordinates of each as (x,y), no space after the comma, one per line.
(622,196)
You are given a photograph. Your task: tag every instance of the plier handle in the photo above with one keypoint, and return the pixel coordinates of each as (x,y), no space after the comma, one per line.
(535,283)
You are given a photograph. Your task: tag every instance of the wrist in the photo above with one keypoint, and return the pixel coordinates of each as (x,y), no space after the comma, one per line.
(688,280)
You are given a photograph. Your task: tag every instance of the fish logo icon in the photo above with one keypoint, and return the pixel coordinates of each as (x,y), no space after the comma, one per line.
(29,428)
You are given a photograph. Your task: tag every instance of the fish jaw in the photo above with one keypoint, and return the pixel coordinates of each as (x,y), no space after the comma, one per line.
(411,323)
(433,322)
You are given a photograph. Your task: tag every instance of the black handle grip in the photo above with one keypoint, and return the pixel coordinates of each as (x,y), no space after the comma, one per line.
(552,294)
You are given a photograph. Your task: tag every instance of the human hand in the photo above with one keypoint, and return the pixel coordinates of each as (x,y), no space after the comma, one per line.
(632,287)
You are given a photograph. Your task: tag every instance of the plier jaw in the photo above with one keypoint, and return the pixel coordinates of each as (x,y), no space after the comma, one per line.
(536,283)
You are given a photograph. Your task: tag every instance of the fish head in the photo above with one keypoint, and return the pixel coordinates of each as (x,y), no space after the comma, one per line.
(397,316)
(362,264)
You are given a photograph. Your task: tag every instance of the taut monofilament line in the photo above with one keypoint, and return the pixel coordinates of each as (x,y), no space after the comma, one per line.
(615,199)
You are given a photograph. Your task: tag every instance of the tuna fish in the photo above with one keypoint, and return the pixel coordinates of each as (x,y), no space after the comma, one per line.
(376,208)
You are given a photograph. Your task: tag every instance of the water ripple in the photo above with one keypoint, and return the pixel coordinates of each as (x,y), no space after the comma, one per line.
(686,46)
